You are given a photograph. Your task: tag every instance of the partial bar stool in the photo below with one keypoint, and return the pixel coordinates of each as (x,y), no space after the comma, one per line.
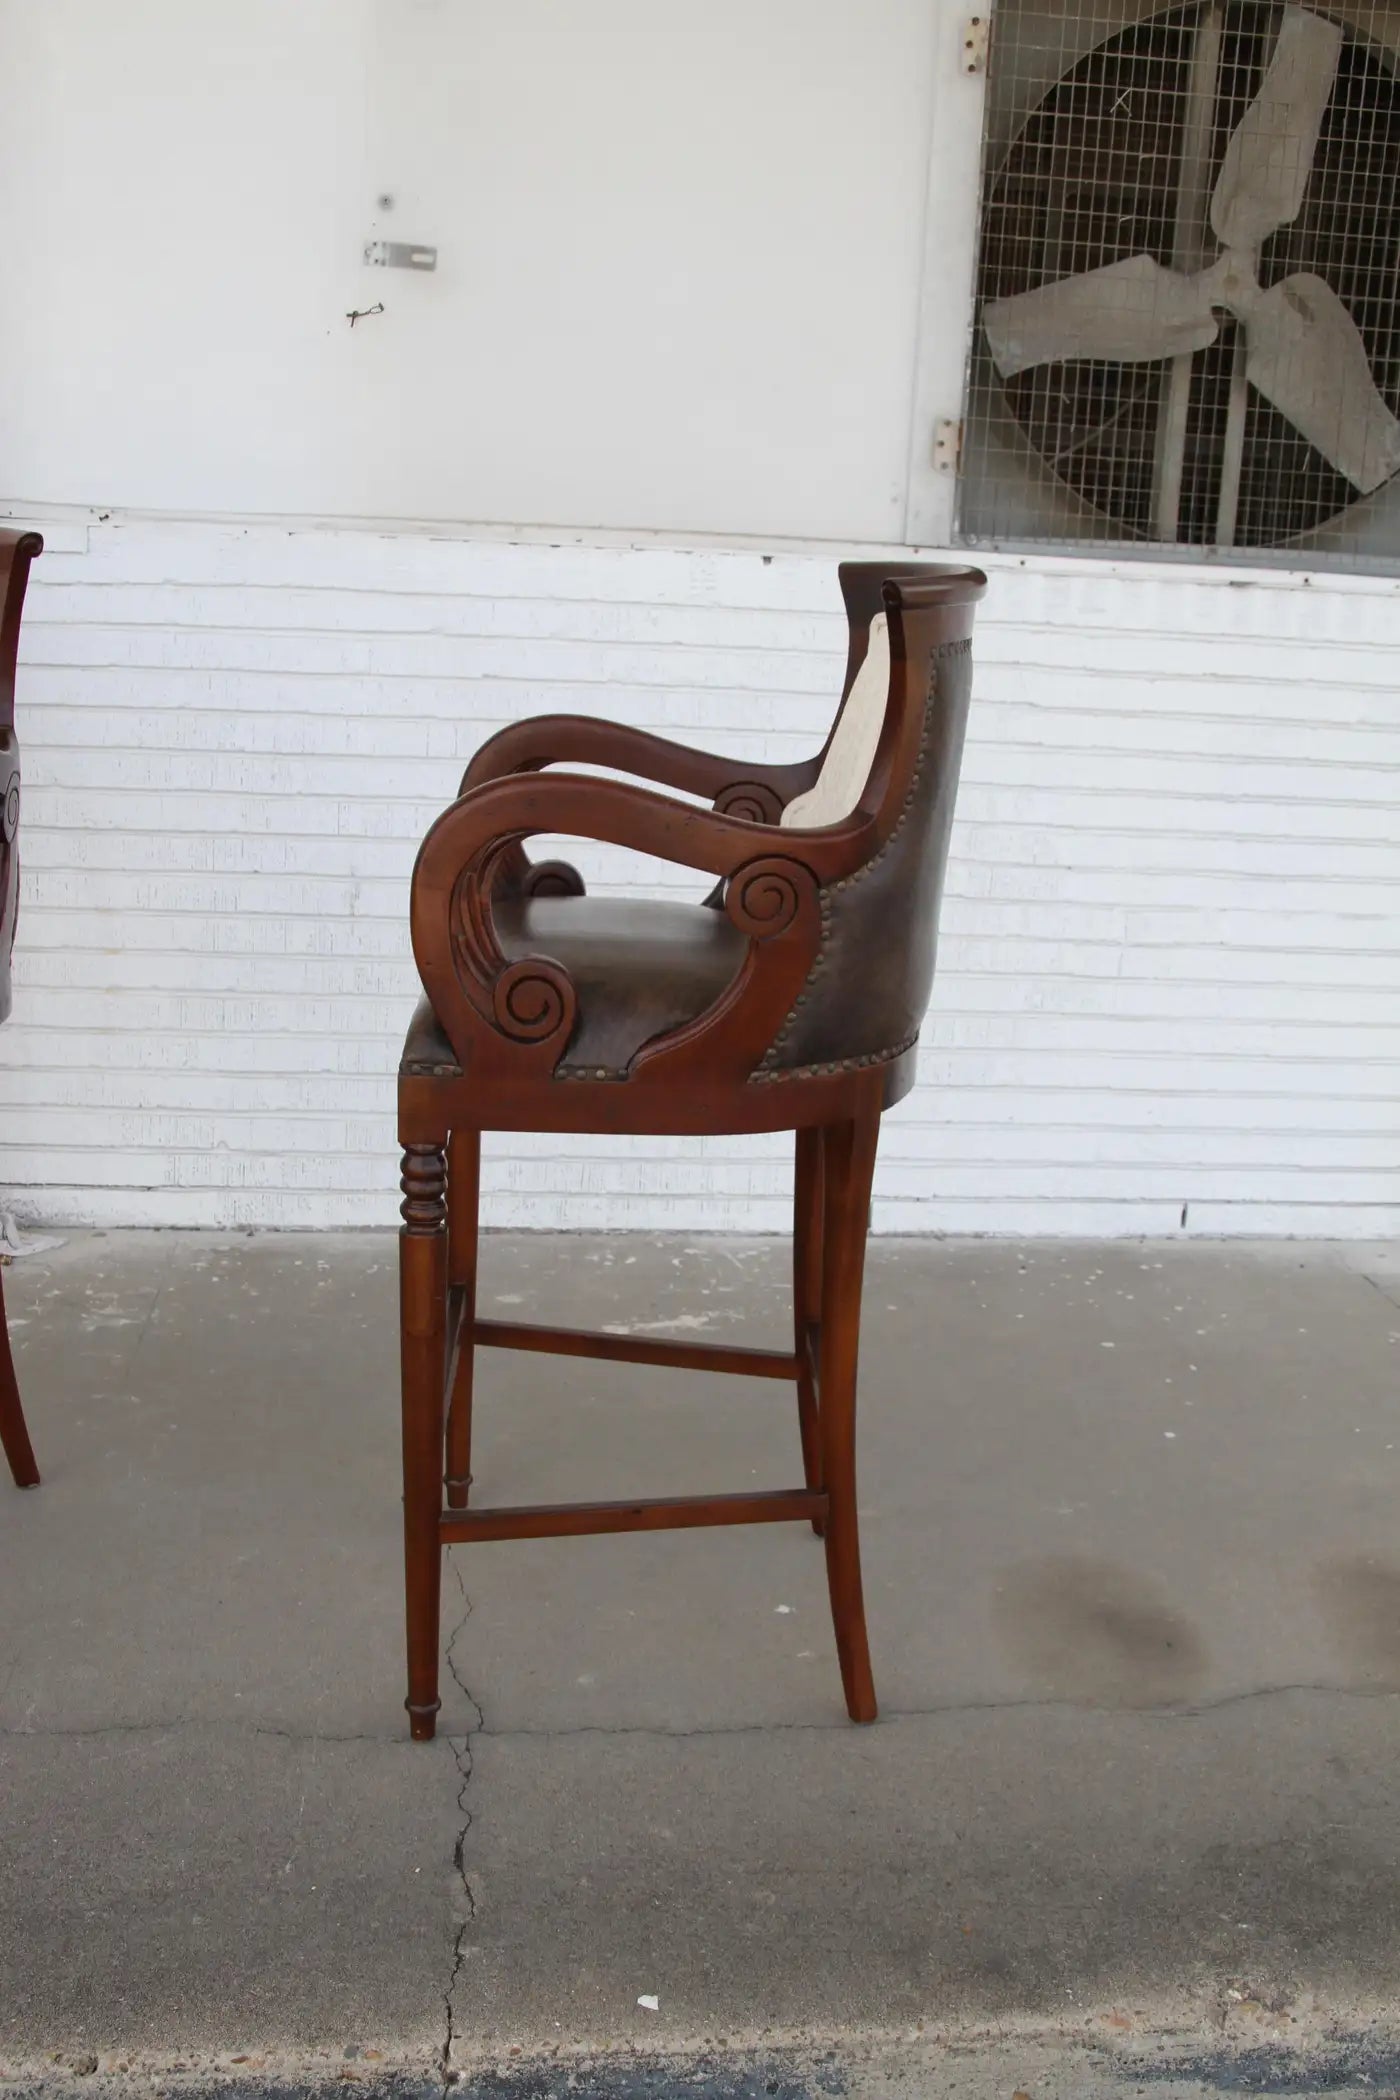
(17,551)
(789,1000)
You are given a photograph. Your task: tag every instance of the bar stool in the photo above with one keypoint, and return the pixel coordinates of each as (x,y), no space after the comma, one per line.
(790,999)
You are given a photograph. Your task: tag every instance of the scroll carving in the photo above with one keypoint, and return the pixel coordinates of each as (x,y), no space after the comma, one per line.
(530,1002)
(553,878)
(752,800)
(764,896)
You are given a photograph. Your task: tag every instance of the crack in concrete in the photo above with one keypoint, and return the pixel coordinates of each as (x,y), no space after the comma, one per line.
(1377,1285)
(952,1708)
(838,1725)
(222,1722)
(316,1735)
(465,1762)
(146,1324)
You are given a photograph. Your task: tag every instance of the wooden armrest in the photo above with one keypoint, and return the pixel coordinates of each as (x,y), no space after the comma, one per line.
(17,550)
(513,1020)
(743,789)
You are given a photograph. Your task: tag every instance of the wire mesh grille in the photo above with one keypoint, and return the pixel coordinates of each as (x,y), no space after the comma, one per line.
(1187,327)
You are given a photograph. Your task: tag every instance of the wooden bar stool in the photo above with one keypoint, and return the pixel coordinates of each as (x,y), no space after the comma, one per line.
(790,1000)
(17,551)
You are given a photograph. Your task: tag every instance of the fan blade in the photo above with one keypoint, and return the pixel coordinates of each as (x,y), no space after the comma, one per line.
(1269,159)
(1128,312)
(1307,357)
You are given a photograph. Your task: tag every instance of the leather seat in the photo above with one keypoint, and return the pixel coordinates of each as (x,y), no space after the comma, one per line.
(640,969)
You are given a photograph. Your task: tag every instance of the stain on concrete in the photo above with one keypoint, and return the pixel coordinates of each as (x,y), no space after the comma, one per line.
(1352,2065)
(1049,2066)
(717,2075)
(707,2077)
(1097,1633)
(1360,1600)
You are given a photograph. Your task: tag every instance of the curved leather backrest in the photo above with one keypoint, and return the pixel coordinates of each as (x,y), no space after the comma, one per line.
(869,988)
(17,551)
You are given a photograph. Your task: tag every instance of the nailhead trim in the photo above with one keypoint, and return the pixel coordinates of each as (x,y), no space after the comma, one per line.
(845,1064)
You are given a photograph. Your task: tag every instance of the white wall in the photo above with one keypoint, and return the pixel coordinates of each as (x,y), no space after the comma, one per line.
(679,258)
(1171,965)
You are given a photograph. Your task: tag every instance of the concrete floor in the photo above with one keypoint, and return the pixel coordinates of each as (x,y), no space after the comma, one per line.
(1130,1821)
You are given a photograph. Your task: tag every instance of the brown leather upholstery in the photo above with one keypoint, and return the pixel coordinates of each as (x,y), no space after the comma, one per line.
(9,859)
(870,985)
(426,1050)
(639,967)
(17,551)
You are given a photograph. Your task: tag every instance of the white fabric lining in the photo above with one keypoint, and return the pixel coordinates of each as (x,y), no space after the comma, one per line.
(846,767)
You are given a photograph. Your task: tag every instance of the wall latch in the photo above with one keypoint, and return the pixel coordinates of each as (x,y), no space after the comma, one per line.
(400,255)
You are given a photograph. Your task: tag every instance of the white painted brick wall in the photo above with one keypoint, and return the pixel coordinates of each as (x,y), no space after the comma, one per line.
(1170,972)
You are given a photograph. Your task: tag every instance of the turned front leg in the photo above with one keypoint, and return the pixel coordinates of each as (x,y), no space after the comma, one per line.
(422,1346)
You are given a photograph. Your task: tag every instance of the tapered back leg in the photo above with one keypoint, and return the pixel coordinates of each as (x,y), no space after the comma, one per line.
(807,1299)
(849,1165)
(463,1205)
(13,1434)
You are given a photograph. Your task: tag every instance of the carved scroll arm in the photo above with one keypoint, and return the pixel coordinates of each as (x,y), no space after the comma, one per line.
(738,787)
(515,1018)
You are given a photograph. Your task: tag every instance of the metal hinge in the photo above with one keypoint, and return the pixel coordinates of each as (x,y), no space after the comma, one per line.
(947,445)
(400,255)
(974,44)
